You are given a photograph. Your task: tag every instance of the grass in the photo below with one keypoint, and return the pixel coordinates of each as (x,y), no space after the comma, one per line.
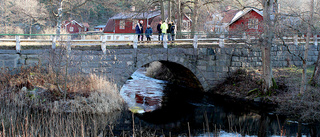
(246,84)
(32,103)
(91,93)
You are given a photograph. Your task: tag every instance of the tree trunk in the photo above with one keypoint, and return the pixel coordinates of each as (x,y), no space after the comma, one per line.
(179,19)
(162,10)
(316,72)
(173,17)
(169,11)
(59,20)
(194,18)
(315,76)
(304,82)
(267,43)
(5,18)
(30,29)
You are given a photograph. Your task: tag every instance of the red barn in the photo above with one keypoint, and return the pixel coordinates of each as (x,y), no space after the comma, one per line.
(248,21)
(126,22)
(74,27)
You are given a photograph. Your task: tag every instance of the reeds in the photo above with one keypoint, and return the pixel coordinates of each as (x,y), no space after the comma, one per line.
(31,104)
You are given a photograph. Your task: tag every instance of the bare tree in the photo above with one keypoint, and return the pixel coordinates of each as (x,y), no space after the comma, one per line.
(28,12)
(267,43)
(316,72)
(304,82)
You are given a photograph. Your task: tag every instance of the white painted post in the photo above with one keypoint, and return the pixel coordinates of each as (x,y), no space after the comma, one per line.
(221,41)
(83,37)
(18,46)
(165,44)
(315,40)
(104,44)
(54,41)
(135,42)
(295,37)
(69,45)
(244,36)
(195,41)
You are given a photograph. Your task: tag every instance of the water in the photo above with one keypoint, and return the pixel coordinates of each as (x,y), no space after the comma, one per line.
(142,93)
(168,109)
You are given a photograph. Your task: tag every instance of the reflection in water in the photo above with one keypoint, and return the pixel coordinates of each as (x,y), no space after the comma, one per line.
(142,93)
(176,110)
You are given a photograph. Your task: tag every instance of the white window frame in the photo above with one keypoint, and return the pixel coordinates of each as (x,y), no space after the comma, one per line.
(253,24)
(71,29)
(122,24)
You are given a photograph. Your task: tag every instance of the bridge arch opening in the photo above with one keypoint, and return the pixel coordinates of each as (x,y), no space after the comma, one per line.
(174,73)
(161,87)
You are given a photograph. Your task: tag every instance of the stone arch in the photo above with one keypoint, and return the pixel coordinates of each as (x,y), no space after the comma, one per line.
(183,61)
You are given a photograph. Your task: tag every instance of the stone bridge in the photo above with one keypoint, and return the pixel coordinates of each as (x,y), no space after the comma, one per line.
(209,63)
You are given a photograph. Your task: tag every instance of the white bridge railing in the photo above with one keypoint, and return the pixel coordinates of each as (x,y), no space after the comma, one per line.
(106,40)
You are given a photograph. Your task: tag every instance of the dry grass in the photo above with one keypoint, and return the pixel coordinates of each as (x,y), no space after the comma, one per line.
(31,104)
(246,84)
(302,107)
(37,88)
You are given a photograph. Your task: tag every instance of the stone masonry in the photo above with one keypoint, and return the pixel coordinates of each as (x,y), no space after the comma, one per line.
(211,64)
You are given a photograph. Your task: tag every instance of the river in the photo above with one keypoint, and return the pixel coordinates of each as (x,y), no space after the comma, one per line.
(166,109)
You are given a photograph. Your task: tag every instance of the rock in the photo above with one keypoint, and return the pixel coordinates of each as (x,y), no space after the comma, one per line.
(24,89)
(258,99)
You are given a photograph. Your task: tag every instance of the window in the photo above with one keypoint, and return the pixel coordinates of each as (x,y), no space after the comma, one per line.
(134,24)
(122,24)
(186,25)
(71,29)
(253,24)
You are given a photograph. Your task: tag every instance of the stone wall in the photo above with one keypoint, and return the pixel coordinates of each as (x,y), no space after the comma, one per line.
(210,64)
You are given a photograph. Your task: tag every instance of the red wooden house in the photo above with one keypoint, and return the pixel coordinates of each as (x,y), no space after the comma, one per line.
(74,27)
(126,22)
(248,21)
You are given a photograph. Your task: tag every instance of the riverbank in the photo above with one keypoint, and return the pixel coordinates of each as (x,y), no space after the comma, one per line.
(46,90)
(245,85)
(41,102)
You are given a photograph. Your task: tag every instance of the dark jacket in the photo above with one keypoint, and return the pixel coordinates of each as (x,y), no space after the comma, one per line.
(159,28)
(139,30)
(169,28)
(172,29)
(148,32)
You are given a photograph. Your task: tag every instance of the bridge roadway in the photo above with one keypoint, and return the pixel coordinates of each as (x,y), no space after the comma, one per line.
(210,62)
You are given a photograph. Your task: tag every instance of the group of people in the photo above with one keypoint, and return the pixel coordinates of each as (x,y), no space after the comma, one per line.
(163,28)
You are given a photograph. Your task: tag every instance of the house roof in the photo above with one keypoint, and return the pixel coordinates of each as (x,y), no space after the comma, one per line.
(242,13)
(188,17)
(73,21)
(109,26)
(136,15)
(100,26)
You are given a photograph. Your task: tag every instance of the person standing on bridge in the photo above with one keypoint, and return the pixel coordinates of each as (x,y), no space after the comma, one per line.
(139,30)
(169,31)
(148,33)
(173,27)
(164,27)
(159,29)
